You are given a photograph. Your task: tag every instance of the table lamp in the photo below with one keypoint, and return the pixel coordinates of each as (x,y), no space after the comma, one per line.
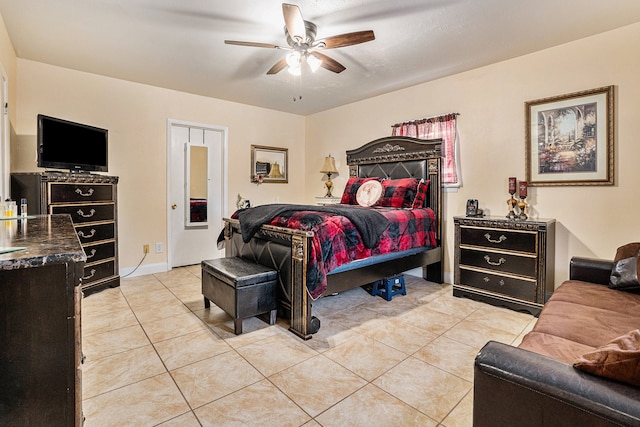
(329,167)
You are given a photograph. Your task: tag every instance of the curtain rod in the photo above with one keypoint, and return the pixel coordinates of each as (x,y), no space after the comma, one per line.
(413,122)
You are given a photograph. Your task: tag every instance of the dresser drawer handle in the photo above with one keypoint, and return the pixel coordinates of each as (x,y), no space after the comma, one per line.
(81,234)
(89,215)
(486,279)
(93,273)
(501,239)
(93,253)
(500,261)
(501,282)
(87,194)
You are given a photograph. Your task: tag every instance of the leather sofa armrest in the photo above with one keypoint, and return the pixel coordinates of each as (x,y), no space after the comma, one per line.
(513,387)
(590,270)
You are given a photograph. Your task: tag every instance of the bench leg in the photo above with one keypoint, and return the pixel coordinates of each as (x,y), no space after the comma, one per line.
(207,304)
(237,326)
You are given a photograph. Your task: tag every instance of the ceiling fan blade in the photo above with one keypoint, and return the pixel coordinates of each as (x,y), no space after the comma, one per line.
(347,39)
(278,66)
(252,44)
(294,22)
(329,63)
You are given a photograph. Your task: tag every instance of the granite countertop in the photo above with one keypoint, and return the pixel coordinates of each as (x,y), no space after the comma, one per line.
(39,240)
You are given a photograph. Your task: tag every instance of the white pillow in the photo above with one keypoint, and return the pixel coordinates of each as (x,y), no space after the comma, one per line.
(369,193)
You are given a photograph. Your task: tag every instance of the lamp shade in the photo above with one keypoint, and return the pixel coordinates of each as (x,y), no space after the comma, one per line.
(329,165)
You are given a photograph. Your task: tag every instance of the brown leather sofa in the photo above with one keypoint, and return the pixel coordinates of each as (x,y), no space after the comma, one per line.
(536,383)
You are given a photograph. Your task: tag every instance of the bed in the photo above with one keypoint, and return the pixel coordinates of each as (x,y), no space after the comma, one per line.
(291,251)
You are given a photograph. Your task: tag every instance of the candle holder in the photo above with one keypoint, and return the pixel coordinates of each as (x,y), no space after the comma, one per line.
(522,205)
(512,203)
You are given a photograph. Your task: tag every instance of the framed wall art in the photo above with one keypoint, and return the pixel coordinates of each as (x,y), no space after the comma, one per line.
(269,164)
(570,139)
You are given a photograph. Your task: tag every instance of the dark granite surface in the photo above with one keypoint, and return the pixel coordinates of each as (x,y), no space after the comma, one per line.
(46,239)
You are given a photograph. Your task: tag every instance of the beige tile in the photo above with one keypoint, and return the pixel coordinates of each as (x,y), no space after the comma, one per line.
(253,330)
(366,357)
(462,414)
(275,353)
(93,323)
(317,383)
(428,389)
(430,320)
(470,333)
(176,277)
(185,420)
(210,379)
(112,342)
(516,342)
(451,356)
(171,327)
(501,318)
(258,404)
(373,407)
(454,306)
(157,298)
(189,348)
(401,335)
(190,295)
(140,285)
(147,402)
(109,373)
(152,312)
(106,301)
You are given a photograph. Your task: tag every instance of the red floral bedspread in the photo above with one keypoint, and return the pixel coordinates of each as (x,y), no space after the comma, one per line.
(336,241)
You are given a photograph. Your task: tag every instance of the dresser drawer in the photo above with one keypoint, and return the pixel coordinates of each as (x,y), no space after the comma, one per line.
(95,272)
(100,251)
(499,239)
(510,286)
(70,192)
(86,213)
(498,261)
(95,232)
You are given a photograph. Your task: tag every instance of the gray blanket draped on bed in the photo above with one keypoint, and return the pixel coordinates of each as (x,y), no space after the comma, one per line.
(369,223)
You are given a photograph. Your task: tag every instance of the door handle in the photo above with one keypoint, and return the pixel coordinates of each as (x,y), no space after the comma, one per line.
(173,206)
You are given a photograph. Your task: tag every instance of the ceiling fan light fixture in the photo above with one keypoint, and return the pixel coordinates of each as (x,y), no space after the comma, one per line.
(314,62)
(293,59)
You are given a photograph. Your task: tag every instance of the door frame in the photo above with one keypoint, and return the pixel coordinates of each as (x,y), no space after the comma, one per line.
(225,173)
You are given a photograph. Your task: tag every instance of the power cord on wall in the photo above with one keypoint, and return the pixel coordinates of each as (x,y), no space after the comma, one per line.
(139,264)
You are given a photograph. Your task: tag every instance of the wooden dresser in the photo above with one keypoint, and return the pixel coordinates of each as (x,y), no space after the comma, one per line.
(504,262)
(40,301)
(91,200)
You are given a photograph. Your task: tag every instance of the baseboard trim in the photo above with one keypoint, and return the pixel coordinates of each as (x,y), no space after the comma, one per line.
(144,269)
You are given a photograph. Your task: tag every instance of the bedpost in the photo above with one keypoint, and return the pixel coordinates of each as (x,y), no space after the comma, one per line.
(301,321)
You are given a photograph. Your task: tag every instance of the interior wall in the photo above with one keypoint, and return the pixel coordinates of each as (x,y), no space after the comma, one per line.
(136,116)
(591,221)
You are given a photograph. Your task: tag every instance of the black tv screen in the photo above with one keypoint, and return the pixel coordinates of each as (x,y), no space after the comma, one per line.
(67,145)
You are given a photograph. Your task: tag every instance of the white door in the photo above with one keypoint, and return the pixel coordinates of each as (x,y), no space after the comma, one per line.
(197,191)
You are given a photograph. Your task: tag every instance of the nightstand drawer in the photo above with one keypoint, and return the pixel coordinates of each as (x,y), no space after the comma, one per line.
(499,239)
(498,261)
(86,213)
(100,251)
(95,272)
(63,193)
(95,232)
(505,285)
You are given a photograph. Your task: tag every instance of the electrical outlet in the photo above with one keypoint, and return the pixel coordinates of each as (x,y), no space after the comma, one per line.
(159,247)
(145,249)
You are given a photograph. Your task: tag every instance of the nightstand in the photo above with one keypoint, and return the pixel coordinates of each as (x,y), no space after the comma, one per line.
(504,262)
(328,200)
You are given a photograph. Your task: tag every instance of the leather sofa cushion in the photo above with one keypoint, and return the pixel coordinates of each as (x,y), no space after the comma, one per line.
(618,360)
(580,317)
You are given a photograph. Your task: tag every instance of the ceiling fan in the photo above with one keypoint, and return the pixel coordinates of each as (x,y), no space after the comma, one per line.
(303,46)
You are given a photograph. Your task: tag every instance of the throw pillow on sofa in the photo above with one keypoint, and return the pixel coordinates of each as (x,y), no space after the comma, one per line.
(624,275)
(618,360)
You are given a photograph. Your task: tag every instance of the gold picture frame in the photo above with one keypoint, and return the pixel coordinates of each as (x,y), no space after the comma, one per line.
(269,164)
(570,139)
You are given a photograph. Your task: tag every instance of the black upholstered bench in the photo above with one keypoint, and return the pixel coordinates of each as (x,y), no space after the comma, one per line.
(240,287)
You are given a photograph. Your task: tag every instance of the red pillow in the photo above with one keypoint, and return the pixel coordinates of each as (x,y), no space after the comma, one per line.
(420,200)
(399,193)
(351,189)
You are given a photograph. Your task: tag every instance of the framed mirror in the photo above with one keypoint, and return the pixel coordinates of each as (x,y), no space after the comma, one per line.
(196,184)
(269,164)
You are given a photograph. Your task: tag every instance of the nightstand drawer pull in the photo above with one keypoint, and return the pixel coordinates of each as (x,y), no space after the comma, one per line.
(88,236)
(500,261)
(93,253)
(501,239)
(89,215)
(487,280)
(93,272)
(87,194)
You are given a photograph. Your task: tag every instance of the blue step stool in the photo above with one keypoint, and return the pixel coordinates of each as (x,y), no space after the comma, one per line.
(388,287)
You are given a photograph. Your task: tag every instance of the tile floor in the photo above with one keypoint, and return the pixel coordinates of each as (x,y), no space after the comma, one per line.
(155,356)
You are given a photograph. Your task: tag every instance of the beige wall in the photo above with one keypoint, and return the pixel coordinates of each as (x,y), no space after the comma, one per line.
(591,221)
(136,116)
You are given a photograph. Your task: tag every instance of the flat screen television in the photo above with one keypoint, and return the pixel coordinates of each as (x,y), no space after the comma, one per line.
(67,145)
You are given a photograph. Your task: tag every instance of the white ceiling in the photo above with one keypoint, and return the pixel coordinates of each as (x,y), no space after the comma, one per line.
(179,44)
